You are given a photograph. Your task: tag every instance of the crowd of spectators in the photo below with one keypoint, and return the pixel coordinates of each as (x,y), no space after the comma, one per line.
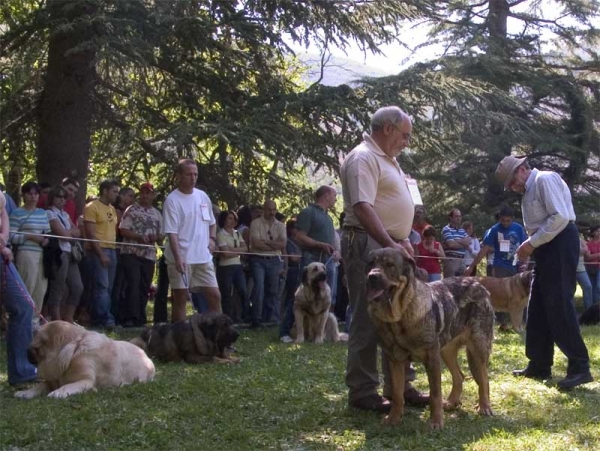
(257,255)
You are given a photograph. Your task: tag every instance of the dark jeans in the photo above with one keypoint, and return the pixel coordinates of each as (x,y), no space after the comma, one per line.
(103,279)
(265,272)
(233,276)
(161,314)
(138,272)
(18,333)
(551,315)
(119,288)
(291,285)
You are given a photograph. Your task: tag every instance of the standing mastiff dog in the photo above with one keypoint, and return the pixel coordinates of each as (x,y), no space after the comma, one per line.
(313,321)
(417,321)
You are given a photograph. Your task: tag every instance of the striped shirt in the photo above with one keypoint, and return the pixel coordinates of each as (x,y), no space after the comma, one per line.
(27,221)
(547,206)
(449,233)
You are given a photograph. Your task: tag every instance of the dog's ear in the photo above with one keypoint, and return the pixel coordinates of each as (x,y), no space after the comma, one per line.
(305,275)
(198,324)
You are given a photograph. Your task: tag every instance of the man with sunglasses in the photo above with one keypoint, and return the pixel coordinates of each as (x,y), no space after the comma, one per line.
(553,242)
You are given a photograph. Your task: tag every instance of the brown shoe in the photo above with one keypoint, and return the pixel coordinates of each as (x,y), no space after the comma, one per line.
(414,397)
(373,403)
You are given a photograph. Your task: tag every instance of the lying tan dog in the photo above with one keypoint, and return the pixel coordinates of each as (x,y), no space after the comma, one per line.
(422,322)
(313,321)
(72,360)
(509,294)
(201,338)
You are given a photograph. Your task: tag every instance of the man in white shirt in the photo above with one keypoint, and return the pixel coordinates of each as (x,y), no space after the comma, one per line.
(190,227)
(379,213)
(553,241)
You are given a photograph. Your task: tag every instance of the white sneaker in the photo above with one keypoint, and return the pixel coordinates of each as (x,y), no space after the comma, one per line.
(286,339)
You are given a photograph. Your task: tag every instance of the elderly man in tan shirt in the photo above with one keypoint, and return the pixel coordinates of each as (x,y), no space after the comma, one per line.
(379,213)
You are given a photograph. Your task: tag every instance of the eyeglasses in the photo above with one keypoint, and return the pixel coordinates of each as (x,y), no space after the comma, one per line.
(269,234)
(406,136)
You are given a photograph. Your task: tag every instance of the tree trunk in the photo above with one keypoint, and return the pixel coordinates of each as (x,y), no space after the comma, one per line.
(65,110)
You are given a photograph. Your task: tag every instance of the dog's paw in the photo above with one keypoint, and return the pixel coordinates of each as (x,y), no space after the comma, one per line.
(436,425)
(452,405)
(26,394)
(485,410)
(392,420)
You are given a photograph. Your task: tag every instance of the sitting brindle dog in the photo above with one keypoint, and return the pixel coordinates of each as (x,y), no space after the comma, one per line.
(419,321)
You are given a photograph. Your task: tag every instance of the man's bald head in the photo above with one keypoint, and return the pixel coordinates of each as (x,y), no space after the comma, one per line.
(388,115)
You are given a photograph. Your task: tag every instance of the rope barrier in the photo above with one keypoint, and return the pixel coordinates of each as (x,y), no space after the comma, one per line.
(153,246)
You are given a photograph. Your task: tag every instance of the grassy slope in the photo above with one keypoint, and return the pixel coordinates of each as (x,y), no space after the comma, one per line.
(293,397)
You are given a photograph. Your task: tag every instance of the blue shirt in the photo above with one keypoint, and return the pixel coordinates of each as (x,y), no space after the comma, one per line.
(513,236)
(450,233)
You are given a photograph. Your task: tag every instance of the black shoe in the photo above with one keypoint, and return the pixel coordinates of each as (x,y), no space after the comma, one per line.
(372,403)
(255,325)
(531,374)
(413,397)
(573,380)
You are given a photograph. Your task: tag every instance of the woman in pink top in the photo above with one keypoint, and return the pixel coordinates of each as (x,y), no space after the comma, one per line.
(592,262)
(430,252)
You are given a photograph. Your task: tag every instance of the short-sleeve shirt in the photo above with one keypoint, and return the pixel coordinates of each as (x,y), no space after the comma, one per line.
(369,175)
(429,261)
(317,224)
(224,238)
(505,241)
(190,217)
(105,218)
(27,221)
(450,233)
(262,230)
(54,214)
(143,221)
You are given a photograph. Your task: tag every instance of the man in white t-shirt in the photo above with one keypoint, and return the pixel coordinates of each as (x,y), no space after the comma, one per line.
(190,227)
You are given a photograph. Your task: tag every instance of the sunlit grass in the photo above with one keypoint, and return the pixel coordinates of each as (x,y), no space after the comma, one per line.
(293,398)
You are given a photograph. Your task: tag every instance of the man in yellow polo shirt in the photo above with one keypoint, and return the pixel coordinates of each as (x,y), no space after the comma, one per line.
(100,220)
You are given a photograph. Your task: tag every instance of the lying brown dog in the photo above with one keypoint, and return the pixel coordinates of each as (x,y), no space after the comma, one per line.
(509,294)
(201,338)
(313,321)
(420,321)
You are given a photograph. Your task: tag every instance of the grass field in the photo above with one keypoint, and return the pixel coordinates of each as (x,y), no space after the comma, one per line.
(289,397)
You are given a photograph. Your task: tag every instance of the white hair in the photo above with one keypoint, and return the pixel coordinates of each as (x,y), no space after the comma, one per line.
(387,114)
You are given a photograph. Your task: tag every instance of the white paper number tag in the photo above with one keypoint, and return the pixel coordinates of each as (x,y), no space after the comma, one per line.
(414,191)
(504,246)
(205,212)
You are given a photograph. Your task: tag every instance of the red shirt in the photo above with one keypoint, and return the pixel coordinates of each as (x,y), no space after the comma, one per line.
(71,208)
(594,248)
(431,265)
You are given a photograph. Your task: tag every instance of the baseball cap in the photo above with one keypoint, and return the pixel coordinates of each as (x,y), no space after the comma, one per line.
(506,169)
(147,186)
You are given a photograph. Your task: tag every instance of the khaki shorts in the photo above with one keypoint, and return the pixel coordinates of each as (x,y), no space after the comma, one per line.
(198,275)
